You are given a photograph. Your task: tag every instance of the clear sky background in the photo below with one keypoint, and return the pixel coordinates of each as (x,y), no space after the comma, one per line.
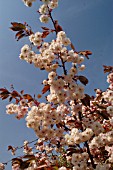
(88,23)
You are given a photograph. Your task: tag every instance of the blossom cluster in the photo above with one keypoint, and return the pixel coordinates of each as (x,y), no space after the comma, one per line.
(64,89)
(41,119)
(101,140)
(79,160)
(50,53)
(45,8)
(77,137)
(19,109)
(74,130)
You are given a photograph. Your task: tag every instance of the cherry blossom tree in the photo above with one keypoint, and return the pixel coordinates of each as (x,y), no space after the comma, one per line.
(74,130)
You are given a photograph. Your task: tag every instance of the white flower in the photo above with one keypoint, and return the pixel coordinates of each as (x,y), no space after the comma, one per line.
(53,5)
(44,18)
(80,60)
(82,67)
(28,3)
(110,110)
(61,34)
(46,1)
(66,41)
(25,49)
(43,9)
(38,35)
(2,167)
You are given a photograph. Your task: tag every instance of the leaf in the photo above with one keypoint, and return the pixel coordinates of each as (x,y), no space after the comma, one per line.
(13,150)
(17,26)
(72,46)
(39,96)
(10,147)
(18,33)
(3,89)
(28,97)
(107,69)
(22,91)
(86,100)
(83,80)
(58,28)
(45,28)
(15,94)
(5,97)
(5,92)
(23,164)
(29,157)
(45,34)
(36,102)
(103,114)
(21,36)
(45,89)
(17,161)
(17,101)
(71,121)
(85,53)
(10,99)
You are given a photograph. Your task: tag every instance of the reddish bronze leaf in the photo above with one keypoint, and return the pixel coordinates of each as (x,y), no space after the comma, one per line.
(103,114)
(29,157)
(22,91)
(85,53)
(45,28)
(36,102)
(10,99)
(3,89)
(5,96)
(45,34)
(83,80)
(58,28)
(72,46)
(10,147)
(17,101)
(15,28)
(18,33)
(108,69)
(45,89)
(28,97)
(20,36)
(15,94)
(86,100)
(39,96)
(18,25)
(5,92)
(17,161)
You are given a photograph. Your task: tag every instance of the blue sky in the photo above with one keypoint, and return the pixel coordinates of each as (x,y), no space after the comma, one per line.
(89,25)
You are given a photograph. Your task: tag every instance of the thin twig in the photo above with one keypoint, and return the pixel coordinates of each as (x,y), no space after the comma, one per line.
(63,63)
